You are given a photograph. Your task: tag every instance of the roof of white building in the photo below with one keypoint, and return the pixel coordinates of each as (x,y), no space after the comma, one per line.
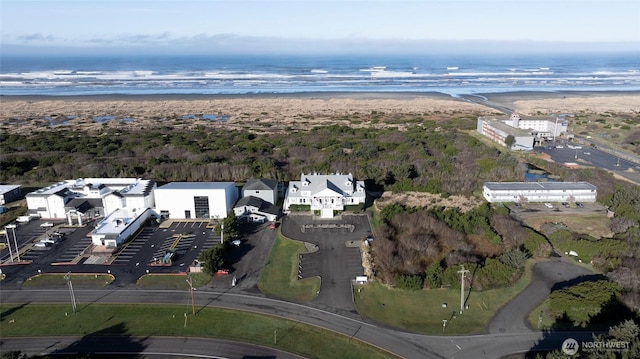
(123,186)
(327,185)
(56,188)
(118,221)
(196,185)
(510,130)
(530,186)
(4,188)
(258,203)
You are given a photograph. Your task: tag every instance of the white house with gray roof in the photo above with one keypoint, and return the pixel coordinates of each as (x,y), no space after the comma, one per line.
(325,193)
(255,210)
(267,189)
(539,192)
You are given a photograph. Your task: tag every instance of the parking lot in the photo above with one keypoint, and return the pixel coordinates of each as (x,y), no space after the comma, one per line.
(140,255)
(336,257)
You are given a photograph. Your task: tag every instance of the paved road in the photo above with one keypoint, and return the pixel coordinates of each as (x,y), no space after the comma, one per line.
(514,338)
(148,346)
(595,157)
(481,100)
(546,274)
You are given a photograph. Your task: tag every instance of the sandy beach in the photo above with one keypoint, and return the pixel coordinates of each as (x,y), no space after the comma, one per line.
(285,110)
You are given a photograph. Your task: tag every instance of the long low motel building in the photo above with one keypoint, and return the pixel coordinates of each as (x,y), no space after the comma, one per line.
(539,192)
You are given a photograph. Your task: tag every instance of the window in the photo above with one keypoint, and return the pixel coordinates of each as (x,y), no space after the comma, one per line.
(201,205)
(187,214)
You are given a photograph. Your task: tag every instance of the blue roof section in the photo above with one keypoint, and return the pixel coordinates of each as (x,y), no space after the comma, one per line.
(197,185)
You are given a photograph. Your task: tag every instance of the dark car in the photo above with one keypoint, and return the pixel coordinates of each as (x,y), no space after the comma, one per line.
(579,204)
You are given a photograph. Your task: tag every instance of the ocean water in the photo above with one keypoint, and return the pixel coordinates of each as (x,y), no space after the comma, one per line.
(286,74)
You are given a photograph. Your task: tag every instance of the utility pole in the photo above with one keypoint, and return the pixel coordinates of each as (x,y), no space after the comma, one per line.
(462,273)
(193,305)
(71,293)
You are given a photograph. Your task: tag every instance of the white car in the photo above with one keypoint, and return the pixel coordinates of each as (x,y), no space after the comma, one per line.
(548,205)
(46,225)
(236,243)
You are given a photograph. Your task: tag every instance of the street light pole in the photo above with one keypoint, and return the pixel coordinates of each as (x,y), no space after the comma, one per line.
(71,293)
(15,241)
(221,233)
(193,305)
(8,242)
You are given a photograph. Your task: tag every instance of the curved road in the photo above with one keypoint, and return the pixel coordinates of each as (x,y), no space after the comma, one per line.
(507,333)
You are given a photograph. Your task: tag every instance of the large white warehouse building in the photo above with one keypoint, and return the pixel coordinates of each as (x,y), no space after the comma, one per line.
(184,200)
(539,192)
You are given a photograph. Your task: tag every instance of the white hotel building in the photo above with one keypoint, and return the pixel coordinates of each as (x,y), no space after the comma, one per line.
(539,192)
(525,130)
(88,198)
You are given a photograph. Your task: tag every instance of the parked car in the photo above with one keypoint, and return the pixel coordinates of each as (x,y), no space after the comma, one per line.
(236,243)
(565,204)
(48,240)
(548,205)
(579,204)
(46,225)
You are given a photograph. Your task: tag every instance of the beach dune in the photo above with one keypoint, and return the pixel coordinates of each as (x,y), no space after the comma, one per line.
(288,109)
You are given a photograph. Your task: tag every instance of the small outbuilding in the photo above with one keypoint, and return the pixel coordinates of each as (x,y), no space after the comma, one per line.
(255,210)
(9,193)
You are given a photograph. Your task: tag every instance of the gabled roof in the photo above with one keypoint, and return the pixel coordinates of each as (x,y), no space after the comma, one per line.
(326,188)
(262,205)
(249,201)
(260,184)
(82,205)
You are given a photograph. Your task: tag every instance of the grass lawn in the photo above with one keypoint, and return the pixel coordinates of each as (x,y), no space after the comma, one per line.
(279,278)
(20,320)
(78,280)
(594,224)
(422,312)
(172,281)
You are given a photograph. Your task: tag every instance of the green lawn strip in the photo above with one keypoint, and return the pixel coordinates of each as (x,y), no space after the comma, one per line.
(279,278)
(422,312)
(78,280)
(172,281)
(19,320)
